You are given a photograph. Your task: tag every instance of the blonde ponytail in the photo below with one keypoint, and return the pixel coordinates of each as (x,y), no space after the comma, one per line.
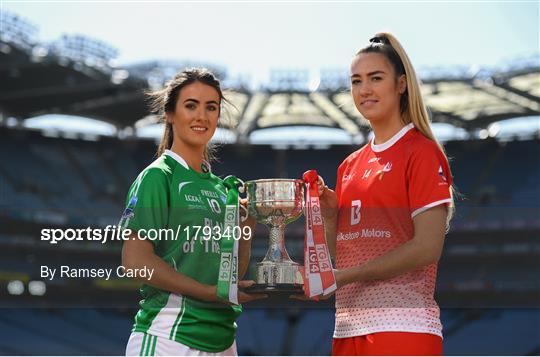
(415,111)
(412,107)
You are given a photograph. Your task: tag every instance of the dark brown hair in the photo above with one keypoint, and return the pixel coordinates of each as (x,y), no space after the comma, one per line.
(164,101)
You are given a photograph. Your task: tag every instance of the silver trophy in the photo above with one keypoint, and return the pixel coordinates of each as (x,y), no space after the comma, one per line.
(276,203)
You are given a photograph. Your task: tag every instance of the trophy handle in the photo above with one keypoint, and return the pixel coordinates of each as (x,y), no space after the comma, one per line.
(246,213)
(242,189)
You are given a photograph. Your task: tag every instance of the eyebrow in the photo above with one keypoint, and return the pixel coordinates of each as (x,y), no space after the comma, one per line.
(369,74)
(196,101)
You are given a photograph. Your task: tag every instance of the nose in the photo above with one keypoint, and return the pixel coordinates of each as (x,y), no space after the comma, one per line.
(365,89)
(201,114)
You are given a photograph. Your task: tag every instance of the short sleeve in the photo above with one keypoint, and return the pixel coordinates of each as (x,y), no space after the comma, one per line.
(429,179)
(147,203)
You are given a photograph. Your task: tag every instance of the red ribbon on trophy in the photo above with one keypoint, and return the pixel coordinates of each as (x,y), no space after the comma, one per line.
(318,273)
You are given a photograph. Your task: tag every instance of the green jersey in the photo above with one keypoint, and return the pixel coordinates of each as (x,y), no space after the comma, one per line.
(170,204)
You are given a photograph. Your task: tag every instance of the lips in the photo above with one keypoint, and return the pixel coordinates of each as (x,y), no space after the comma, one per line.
(199,129)
(368,102)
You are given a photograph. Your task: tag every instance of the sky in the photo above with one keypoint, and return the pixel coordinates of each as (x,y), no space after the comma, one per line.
(250,39)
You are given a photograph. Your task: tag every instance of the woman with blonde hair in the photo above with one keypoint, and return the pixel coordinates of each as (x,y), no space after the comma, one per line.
(386,220)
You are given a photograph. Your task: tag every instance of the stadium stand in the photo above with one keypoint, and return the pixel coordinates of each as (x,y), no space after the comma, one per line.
(476,271)
(497,325)
(76,177)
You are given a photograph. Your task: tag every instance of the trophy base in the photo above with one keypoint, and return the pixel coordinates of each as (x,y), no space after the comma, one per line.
(271,277)
(278,289)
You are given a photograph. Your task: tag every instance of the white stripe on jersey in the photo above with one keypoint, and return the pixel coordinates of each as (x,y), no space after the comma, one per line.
(164,322)
(428,206)
(177,324)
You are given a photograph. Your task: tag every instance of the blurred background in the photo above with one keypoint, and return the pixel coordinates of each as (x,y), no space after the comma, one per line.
(75,131)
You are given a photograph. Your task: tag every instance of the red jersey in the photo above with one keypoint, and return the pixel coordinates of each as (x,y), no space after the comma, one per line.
(380,188)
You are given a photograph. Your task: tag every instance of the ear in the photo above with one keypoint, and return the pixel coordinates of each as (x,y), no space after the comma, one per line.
(168,118)
(402,84)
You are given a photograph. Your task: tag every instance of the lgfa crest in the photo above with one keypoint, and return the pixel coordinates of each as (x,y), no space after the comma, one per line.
(387,168)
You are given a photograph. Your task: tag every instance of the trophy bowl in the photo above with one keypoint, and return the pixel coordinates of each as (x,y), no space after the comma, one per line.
(276,203)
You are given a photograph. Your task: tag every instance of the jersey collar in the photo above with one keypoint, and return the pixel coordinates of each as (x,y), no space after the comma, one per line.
(177,157)
(394,139)
(183,162)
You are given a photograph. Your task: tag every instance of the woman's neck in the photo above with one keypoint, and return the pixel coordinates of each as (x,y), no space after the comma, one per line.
(192,156)
(384,130)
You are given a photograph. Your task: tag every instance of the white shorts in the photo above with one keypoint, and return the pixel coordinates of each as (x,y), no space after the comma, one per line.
(143,344)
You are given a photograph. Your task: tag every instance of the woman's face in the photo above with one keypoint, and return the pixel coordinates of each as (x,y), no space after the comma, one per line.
(374,88)
(196,115)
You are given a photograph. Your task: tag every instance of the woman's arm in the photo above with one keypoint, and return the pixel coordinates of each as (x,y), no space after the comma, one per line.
(425,248)
(138,254)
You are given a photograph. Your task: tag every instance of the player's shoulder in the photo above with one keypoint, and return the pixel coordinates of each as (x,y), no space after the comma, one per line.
(355,155)
(160,170)
(216,179)
(419,144)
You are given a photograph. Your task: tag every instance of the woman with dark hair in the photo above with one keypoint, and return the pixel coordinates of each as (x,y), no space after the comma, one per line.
(184,310)
(386,220)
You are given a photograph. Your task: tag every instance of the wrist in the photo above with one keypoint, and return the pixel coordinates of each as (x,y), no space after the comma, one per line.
(210,293)
(345,276)
(348,276)
(356,274)
(329,215)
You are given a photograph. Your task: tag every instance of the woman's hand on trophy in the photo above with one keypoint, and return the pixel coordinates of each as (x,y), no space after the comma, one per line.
(245,219)
(321,186)
(328,202)
(244,297)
